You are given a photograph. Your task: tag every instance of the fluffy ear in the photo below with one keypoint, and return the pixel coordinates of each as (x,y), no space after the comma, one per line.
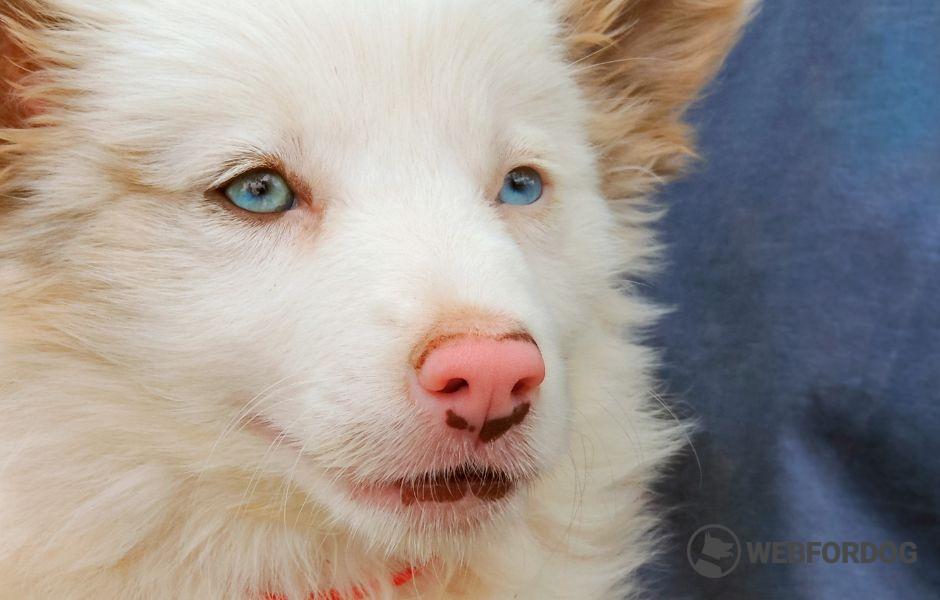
(22,64)
(642,62)
(13,66)
(20,21)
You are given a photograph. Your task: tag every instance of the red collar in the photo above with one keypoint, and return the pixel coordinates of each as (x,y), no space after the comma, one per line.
(398,579)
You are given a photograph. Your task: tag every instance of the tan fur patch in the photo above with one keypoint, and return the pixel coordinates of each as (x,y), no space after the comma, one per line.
(463,322)
(642,63)
(12,69)
(28,90)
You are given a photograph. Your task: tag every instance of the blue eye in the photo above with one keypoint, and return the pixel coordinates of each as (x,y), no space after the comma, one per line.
(521,187)
(262,191)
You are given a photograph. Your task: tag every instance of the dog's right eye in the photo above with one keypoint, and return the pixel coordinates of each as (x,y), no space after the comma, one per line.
(522,186)
(261,191)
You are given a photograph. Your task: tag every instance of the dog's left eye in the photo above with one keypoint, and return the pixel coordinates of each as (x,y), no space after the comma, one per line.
(522,186)
(261,191)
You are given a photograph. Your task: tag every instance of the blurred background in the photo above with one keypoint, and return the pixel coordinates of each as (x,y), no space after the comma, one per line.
(804,268)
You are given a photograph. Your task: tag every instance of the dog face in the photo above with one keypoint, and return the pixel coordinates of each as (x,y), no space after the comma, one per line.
(295,336)
(345,247)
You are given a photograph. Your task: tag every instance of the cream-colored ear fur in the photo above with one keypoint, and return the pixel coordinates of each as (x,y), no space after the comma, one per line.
(23,54)
(13,66)
(642,63)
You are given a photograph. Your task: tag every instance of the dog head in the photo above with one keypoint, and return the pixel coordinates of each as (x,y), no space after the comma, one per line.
(346,248)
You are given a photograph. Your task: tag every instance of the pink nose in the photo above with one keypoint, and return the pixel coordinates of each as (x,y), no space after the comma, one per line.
(484,386)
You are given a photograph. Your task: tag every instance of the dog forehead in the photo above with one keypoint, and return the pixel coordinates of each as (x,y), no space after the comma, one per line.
(334,77)
(461,65)
(354,52)
(413,58)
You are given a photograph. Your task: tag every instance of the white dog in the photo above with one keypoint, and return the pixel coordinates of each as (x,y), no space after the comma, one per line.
(325,299)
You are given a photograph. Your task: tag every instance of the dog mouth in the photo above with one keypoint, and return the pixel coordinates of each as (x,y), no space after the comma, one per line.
(462,487)
(452,485)
(449,485)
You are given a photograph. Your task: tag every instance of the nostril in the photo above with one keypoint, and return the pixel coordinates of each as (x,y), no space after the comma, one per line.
(454,385)
(523,386)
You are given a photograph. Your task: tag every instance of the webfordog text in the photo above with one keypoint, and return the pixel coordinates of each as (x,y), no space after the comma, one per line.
(789,553)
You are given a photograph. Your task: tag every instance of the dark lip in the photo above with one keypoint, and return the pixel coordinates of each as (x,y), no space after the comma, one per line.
(455,484)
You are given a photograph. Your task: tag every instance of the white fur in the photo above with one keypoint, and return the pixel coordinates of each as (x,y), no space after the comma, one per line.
(142,322)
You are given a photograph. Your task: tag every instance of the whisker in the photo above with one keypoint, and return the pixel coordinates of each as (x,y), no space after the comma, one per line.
(587,68)
(685,434)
